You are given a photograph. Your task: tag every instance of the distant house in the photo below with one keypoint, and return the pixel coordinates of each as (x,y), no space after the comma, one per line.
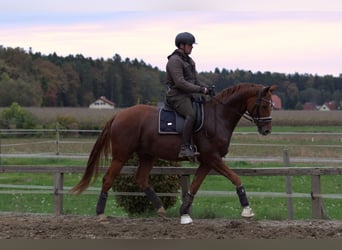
(102,103)
(324,108)
(331,105)
(328,106)
(276,102)
(309,106)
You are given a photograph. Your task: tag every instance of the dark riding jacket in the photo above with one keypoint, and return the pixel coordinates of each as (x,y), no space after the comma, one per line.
(182,75)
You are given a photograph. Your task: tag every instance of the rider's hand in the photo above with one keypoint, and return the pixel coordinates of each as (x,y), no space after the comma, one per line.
(204,90)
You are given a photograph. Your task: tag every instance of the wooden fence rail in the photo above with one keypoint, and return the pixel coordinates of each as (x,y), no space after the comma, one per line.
(186,172)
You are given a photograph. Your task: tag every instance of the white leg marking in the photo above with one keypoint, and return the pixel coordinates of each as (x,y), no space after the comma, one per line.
(186,219)
(247,212)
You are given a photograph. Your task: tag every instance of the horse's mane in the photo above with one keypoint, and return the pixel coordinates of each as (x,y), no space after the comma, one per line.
(237,91)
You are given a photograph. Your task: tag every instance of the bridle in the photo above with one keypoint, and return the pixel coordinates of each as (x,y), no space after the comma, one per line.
(258,121)
(256,108)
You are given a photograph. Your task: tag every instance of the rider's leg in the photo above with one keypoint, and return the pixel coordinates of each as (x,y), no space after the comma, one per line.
(184,107)
(186,150)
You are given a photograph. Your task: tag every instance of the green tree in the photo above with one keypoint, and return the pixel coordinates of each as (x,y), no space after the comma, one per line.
(114,82)
(68,92)
(291,95)
(310,95)
(20,91)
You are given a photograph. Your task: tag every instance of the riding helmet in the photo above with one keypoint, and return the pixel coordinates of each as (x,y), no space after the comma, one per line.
(185,38)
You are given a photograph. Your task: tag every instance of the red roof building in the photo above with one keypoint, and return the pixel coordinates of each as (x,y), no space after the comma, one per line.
(276,102)
(102,103)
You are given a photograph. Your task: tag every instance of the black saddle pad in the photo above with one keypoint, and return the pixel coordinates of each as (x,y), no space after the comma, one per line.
(170,122)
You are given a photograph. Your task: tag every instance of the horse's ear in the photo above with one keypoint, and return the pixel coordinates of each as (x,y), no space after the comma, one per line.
(273,88)
(270,88)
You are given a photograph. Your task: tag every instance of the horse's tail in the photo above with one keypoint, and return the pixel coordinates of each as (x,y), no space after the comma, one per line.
(101,149)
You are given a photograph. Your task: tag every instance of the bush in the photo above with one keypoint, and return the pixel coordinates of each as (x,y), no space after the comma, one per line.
(15,117)
(135,205)
(67,122)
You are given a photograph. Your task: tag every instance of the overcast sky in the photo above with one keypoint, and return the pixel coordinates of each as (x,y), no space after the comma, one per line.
(262,35)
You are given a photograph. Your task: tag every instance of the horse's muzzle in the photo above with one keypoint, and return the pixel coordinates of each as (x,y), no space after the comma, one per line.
(264,125)
(264,131)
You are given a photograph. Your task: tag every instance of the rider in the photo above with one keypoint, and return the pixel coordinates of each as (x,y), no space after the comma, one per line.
(182,84)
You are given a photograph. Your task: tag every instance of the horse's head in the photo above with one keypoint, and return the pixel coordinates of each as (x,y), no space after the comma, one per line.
(259,109)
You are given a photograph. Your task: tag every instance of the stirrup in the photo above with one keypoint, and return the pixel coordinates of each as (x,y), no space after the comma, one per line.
(186,151)
(186,154)
(194,149)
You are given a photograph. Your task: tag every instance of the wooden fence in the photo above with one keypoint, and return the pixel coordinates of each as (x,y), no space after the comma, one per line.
(186,172)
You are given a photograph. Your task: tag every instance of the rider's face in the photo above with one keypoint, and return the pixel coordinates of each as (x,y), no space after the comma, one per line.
(188,49)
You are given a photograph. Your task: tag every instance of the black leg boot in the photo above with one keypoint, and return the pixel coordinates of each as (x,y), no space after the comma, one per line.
(156,201)
(185,209)
(186,150)
(101,203)
(247,212)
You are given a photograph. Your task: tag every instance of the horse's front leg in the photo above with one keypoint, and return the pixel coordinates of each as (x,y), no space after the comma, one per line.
(247,212)
(188,197)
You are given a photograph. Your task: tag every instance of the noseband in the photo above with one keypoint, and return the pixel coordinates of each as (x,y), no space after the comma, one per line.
(256,118)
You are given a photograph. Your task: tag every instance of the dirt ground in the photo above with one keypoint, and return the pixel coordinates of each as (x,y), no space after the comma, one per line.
(23,226)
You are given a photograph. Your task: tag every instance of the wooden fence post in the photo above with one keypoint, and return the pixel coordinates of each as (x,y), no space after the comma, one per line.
(0,155)
(57,139)
(58,193)
(288,185)
(317,201)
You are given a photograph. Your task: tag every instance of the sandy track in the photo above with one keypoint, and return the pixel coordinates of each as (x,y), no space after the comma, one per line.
(15,226)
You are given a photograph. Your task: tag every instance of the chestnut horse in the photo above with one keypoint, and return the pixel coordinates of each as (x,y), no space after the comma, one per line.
(135,130)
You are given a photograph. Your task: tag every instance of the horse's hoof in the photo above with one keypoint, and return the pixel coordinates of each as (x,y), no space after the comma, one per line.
(186,219)
(247,212)
(102,219)
(161,212)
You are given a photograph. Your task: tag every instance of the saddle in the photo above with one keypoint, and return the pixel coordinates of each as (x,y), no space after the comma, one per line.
(170,122)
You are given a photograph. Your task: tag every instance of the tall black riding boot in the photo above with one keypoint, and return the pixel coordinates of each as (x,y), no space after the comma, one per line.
(186,150)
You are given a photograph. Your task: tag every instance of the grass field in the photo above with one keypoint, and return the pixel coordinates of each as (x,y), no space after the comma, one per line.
(317,141)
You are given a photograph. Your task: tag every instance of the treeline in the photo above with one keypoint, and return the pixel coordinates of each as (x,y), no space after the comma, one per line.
(33,79)
(74,81)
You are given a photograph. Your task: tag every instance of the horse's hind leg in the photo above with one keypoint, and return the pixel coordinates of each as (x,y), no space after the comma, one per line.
(107,183)
(141,178)
(188,197)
